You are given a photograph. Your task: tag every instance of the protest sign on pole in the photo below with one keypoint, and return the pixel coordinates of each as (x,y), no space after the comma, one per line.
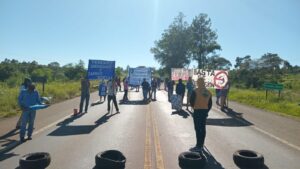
(180,73)
(136,75)
(101,69)
(217,79)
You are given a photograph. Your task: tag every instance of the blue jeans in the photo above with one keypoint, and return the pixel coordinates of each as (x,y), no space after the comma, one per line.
(153,91)
(27,117)
(145,93)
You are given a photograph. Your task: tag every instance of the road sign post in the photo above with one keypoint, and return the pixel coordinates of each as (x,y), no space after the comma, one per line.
(273,86)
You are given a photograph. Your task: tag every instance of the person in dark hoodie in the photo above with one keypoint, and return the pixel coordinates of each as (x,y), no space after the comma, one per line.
(180,89)
(201,102)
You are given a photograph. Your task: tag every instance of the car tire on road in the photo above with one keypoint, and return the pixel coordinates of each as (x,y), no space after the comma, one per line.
(110,159)
(38,160)
(191,160)
(248,159)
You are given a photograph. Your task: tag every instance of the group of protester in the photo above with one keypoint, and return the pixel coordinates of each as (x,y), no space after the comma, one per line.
(200,99)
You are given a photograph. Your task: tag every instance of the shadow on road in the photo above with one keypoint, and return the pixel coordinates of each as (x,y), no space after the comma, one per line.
(5,155)
(212,163)
(235,119)
(182,113)
(66,130)
(8,144)
(133,102)
(97,103)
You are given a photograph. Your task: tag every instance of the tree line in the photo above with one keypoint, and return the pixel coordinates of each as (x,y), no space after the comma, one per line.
(12,72)
(181,43)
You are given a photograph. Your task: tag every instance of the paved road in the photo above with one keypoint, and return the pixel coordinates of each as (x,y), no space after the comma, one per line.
(152,136)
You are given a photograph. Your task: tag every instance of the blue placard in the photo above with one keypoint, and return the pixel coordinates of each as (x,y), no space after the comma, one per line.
(136,75)
(101,69)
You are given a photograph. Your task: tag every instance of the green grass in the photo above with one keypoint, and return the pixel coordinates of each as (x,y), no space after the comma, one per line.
(59,91)
(287,104)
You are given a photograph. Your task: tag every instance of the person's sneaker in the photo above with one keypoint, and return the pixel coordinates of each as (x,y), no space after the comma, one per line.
(29,138)
(196,149)
(118,111)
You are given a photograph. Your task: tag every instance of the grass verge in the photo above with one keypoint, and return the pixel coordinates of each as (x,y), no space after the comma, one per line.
(59,91)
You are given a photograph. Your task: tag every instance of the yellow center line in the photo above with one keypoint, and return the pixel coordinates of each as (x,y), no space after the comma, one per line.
(158,152)
(147,159)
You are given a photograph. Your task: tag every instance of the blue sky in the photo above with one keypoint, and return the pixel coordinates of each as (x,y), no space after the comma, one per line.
(125,30)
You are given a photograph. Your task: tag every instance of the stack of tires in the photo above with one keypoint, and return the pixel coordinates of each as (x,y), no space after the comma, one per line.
(39,160)
(191,160)
(110,159)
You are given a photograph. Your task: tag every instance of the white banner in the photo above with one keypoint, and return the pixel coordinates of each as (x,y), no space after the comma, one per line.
(217,79)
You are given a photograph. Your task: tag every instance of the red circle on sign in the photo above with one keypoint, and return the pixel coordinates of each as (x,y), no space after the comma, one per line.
(216,78)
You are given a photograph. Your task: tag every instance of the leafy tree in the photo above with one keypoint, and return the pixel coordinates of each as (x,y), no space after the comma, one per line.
(74,72)
(42,72)
(172,50)
(243,63)
(270,61)
(56,70)
(203,39)
(119,72)
(217,62)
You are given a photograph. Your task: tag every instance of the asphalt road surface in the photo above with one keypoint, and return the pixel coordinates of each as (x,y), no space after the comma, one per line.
(151,136)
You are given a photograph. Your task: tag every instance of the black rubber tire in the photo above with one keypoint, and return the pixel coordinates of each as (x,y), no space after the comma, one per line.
(248,159)
(38,160)
(191,160)
(110,159)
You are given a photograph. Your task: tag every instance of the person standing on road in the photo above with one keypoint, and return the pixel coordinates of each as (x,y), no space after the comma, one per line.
(170,86)
(85,94)
(218,95)
(119,84)
(153,88)
(145,87)
(201,102)
(26,99)
(102,90)
(125,85)
(223,94)
(180,89)
(24,86)
(190,87)
(111,92)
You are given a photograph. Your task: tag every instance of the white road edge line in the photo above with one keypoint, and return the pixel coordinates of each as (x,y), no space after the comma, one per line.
(266,133)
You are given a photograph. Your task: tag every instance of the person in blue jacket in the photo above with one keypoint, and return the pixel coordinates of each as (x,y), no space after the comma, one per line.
(102,90)
(26,99)
(24,86)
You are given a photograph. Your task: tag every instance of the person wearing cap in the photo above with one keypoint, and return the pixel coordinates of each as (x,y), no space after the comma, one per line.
(26,99)
(24,86)
(201,102)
